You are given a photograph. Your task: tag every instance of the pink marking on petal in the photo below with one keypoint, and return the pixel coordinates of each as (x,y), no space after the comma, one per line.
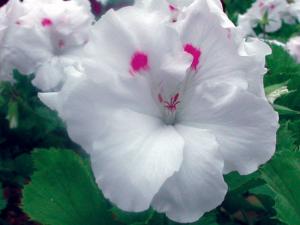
(139,61)
(46,22)
(195,52)
(261,4)
(272,6)
(160,98)
(61,43)
(172,8)
(228,30)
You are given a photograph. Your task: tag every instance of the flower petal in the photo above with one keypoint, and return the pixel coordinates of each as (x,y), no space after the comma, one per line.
(245,125)
(199,186)
(134,158)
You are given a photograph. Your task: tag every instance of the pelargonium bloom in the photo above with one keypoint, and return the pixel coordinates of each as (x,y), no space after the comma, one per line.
(9,15)
(170,10)
(294,11)
(49,36)
(165,114)
(293,47)
(265,14)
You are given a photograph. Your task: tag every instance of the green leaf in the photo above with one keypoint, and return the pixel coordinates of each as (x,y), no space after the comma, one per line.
(281,68)
(12,114)
(2,199)
(132,218)
(239,183)
(285,138)
(283,110)
(17,170)
(209,218)
(285,32)
(272,88)
(282,175)
(62,191)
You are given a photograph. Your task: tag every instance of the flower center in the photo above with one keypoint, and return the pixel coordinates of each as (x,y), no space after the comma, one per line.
(169,107)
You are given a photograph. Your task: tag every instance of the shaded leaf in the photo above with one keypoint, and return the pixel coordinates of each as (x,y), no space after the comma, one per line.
(282,175)
(62,191)
(132,218)
(2,199)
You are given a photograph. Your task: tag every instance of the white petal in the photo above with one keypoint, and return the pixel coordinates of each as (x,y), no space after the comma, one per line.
(199,186)
(245,125)
(219,56)
(134,158)
(49,76)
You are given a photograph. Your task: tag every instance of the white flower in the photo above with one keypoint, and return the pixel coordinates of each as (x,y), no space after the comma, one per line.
(163,115)
(266,14)
(293,47)
(169,10)
(49,36)
(293,11)
(9,14)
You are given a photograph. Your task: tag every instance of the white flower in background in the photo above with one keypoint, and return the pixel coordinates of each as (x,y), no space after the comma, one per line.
(85,3)
(50,37)
(266,14)
(165,114)
(9,15)
(293,11)
(169,10)
(293,47)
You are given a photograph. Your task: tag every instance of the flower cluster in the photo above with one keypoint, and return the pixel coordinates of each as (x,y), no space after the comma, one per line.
(165,96)
(42,37)
(268,16)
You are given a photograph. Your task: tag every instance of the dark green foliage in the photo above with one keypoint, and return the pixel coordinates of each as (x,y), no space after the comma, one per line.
(63,185)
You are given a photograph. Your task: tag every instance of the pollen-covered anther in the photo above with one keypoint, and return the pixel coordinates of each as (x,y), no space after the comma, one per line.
(139,62)
(196,53)
(46,22)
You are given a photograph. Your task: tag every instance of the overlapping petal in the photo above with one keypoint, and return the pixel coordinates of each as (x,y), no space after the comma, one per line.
(245,125)
(199,186)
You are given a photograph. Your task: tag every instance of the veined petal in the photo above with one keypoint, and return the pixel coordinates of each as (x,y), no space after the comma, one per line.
(199,186)
(135,156)
(219,57)
(245,125)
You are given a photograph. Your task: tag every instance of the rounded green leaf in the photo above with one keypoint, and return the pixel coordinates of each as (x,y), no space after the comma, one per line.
(62,191)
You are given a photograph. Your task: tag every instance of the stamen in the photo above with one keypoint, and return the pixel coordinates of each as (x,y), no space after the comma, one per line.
(172,104)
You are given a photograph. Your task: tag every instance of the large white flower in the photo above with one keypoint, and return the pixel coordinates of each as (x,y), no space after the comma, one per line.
(265,14)
(49,37)
(165,114)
